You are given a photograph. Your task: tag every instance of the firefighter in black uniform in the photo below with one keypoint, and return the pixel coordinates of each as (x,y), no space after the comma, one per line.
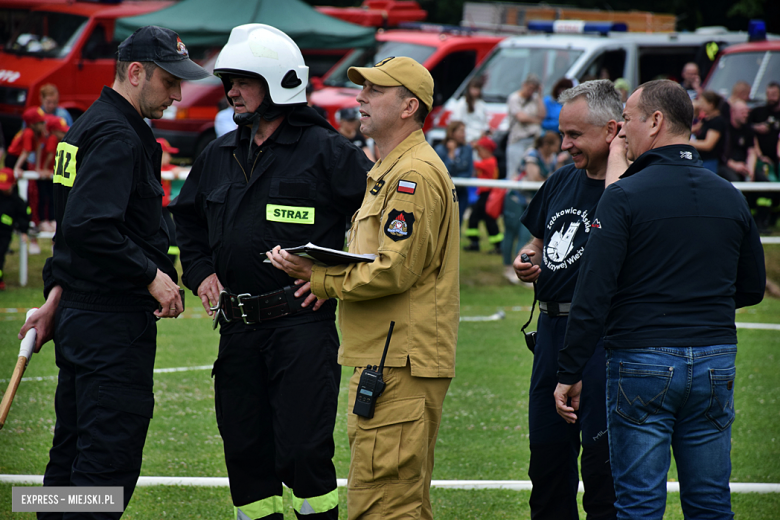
(284,177)
(109,277)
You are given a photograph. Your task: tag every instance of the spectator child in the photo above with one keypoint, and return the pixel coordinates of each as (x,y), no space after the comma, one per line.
(14,214)
(24,153)
(50,101)
(458,157)
(27,141)
(486,168)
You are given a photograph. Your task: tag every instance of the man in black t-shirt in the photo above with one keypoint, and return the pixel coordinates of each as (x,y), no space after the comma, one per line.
(765,120)
(560,218)
(740,156)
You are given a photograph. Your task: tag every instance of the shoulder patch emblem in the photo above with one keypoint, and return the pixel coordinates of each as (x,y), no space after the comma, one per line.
(407,187)
(596,224)
(399,225)
(377,187)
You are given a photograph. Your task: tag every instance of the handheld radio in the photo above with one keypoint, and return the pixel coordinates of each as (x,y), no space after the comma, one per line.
(530,337)
(371,385)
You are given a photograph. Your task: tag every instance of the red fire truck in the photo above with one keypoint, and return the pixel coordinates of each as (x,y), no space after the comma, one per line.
(449,53)
(69,44)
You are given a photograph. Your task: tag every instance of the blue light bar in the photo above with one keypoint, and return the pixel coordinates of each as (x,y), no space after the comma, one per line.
(756,30)
(576,27)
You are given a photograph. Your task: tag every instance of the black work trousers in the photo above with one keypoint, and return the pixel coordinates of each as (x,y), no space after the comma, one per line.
(555,444)
(5,245)
(276,401)
(104,401)
(478,213)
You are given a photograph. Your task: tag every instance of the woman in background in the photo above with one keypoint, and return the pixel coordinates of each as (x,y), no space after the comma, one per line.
(711,132)
(472,111)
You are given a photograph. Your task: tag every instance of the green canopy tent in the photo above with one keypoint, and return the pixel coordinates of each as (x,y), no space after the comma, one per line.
(208,23)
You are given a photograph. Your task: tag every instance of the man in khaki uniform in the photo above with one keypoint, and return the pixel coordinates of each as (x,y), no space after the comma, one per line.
(409,219)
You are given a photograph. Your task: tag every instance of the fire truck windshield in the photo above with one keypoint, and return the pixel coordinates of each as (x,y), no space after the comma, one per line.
(47,34)
(506,69)
(369,57)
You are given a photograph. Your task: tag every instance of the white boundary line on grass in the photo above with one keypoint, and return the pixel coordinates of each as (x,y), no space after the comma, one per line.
(516,485)
(760,326)
(156,371)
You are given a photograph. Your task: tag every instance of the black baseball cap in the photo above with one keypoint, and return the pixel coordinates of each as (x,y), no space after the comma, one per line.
(163,47)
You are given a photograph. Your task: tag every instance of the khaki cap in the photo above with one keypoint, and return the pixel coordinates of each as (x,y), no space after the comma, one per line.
(396,72)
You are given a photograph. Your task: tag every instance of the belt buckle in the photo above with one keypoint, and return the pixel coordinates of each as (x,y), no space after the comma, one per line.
(241,306)
(219,308)
(552,309)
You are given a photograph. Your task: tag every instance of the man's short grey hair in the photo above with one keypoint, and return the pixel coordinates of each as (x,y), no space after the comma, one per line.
(603,100)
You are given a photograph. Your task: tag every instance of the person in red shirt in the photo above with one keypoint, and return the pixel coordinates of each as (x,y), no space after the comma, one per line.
(26,142)
(485,168)
(56,127)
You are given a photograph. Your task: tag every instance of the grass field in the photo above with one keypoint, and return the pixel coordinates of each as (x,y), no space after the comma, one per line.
(484,432)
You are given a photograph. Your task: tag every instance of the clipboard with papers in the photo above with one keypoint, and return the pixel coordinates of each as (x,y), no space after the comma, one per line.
(327,256)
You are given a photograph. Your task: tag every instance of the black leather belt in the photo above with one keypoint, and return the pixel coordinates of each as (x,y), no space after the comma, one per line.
(555,309)
(253,309)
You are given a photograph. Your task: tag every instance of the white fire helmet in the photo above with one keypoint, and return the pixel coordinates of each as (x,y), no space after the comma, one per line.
(255,50)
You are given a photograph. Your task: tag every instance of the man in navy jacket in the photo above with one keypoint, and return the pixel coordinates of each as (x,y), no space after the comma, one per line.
(673,252)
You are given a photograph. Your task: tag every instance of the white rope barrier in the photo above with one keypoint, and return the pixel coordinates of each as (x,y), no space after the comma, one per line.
(458,181)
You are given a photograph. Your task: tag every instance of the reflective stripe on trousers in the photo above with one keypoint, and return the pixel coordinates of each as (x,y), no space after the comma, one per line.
(260,509)
(314,505)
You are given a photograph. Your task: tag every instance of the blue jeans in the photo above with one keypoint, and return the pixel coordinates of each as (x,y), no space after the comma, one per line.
(680,397)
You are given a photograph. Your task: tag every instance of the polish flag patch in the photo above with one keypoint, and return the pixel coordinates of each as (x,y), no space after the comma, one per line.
(407,187)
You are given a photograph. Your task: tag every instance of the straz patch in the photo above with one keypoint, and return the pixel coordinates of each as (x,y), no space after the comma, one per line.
(290,214)
(65,164)
(377,187)
(399,225)
(407,187)
(596,224)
